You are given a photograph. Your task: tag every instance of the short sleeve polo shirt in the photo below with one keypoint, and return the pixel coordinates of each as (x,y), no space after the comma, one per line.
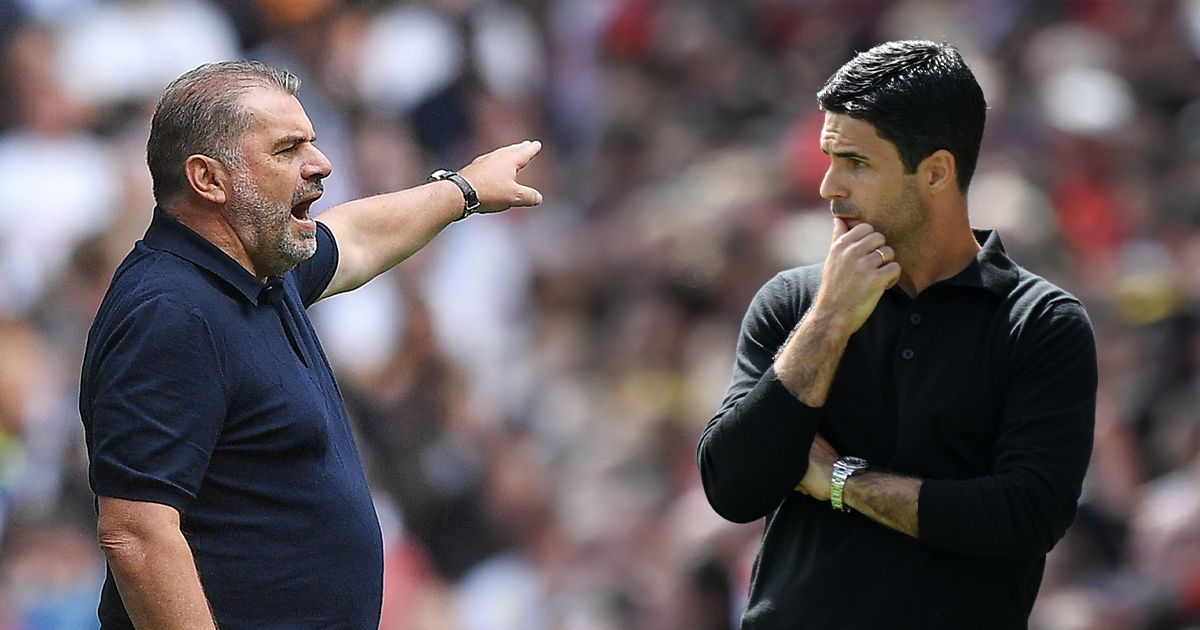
(206,390)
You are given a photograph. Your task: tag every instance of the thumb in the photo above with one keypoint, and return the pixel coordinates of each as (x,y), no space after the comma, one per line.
(527,196)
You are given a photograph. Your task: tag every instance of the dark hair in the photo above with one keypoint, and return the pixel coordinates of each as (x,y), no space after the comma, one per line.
(199,113)
(919,95)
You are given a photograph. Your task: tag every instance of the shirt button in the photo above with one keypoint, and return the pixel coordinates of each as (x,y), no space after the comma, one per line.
(915,318)
(907,354)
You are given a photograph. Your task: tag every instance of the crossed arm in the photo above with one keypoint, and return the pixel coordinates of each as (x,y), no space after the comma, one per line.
(751,453)
(808,361)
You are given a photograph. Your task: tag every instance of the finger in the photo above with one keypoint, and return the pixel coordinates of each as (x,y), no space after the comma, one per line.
(526,152)
(888,253)
(890,273)
(870,242)
(526,196)
(860,231)
(839,227)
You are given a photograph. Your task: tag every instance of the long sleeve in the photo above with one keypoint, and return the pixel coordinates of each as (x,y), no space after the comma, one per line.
(1040,457)
(755,449)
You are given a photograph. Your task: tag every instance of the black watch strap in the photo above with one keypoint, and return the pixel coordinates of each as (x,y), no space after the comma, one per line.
(470,197)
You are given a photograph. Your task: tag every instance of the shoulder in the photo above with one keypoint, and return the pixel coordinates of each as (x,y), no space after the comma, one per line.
(1035,298)
(780,302)
(1042,315)
(150,286)
(791,287)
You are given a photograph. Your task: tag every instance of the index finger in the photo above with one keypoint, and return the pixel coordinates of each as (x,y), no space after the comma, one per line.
(526,152)
(839,227)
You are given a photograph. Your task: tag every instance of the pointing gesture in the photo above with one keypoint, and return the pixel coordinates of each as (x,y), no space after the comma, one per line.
(494,176)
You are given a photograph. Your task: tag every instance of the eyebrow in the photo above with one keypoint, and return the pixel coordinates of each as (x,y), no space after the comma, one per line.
(295,138)
(846,155)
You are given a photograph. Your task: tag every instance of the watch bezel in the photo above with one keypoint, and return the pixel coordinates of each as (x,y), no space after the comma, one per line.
(852,463)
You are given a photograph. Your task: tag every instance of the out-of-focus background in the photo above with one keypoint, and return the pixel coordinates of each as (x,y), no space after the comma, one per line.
(529,389)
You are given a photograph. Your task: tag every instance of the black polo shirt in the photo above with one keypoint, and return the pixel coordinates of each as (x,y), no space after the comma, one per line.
(984,386)
(206,390)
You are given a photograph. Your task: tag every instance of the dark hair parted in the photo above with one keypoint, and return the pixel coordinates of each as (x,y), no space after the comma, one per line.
(919,95)
(200,113)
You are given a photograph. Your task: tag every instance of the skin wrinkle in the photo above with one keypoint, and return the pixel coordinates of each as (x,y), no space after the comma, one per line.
(261,220)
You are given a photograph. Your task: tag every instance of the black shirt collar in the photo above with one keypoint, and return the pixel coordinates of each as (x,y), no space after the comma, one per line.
(169,235)
(992,269)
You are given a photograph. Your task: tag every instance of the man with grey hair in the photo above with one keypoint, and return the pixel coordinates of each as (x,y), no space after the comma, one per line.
(229,490)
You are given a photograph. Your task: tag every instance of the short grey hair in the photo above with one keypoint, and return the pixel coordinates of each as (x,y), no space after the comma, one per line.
(200,113)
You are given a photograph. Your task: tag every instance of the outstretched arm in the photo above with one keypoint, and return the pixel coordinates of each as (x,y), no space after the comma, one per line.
(375,233)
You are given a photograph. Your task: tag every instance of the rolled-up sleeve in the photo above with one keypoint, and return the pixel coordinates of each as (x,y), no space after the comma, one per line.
(1041,454)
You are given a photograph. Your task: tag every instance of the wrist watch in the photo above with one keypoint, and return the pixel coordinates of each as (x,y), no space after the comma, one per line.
(842,469)
(470,197)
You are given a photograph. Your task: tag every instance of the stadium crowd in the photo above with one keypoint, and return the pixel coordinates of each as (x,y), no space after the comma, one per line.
(528,390)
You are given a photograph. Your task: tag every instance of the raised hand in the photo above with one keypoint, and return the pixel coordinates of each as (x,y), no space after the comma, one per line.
(859,268)
(494,176)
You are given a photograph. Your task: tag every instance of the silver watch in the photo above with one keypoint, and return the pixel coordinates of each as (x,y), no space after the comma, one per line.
(842,469)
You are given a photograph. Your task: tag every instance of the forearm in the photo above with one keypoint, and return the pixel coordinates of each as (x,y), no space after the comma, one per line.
(157,578)
(808,360)
(1017,515)
(1014,516)
(152,564)
(747,455)
(375,233)
(886,498)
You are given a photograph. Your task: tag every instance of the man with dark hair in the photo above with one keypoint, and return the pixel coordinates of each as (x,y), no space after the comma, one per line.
(943,395)
(229,489)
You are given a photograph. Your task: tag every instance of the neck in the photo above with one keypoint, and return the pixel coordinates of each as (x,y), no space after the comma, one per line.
(212,225)
(947,249)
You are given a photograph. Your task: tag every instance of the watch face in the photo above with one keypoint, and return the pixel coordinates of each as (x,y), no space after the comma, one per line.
(853,463)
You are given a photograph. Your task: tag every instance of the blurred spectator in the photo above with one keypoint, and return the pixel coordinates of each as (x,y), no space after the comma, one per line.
(528,391)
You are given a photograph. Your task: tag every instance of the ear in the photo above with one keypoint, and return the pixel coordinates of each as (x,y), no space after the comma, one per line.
(208,178)
(938,172)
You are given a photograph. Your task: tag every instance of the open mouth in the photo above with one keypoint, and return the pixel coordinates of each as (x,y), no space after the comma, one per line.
(300,210)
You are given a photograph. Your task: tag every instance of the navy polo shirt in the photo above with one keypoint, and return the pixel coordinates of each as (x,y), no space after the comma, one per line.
(206,390)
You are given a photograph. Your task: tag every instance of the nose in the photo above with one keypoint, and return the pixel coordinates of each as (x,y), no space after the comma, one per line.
(831,186)
(317,166)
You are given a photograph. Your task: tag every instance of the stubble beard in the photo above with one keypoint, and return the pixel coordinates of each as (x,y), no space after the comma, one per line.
(267,227)
(903,219)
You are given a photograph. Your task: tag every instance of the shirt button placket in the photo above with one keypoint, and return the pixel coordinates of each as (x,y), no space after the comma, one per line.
(907,353)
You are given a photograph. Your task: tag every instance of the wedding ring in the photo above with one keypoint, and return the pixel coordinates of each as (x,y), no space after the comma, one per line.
(881,256)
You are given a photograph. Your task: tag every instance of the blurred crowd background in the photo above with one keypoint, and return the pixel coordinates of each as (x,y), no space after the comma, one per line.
(528,390)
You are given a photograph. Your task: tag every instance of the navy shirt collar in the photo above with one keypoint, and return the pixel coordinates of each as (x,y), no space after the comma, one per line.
(992,269)
(169,235)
